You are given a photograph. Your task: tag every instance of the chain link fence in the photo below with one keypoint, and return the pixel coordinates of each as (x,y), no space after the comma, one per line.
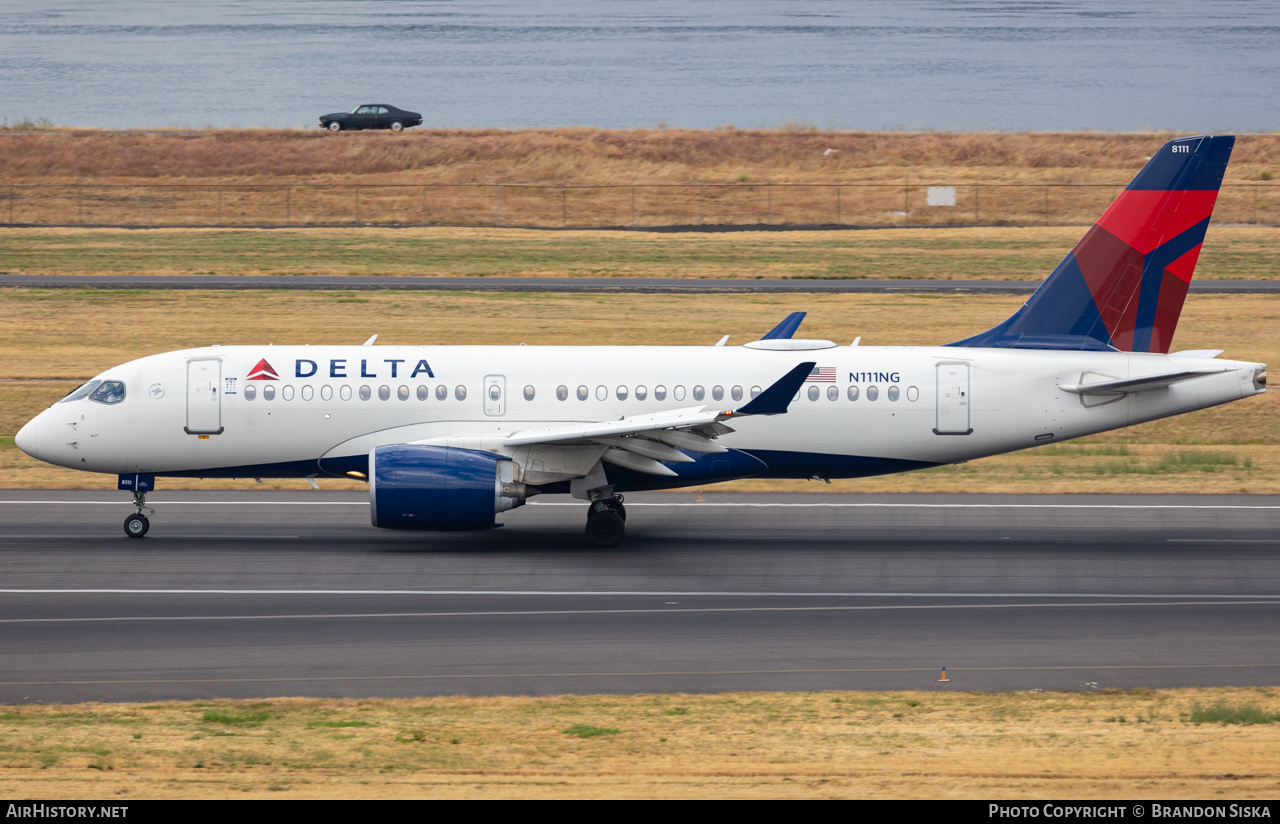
(591,207)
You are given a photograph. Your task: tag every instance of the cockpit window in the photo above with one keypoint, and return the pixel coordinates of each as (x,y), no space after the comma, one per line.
(108,392)
(81,392)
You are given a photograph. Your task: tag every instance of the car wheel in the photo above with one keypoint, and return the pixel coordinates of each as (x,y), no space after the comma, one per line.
(335,126)
(396,126)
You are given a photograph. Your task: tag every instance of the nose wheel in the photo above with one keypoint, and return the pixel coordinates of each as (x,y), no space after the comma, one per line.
(606,522)
(137,524)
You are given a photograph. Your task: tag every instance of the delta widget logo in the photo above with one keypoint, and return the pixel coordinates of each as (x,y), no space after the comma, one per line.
(263,371)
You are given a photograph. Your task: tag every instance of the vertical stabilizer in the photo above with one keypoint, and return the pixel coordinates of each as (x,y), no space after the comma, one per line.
(1123,285)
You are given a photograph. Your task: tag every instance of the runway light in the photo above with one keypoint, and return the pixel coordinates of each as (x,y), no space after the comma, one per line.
(944,676)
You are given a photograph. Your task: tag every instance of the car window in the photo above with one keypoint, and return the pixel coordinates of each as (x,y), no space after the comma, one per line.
(383,110)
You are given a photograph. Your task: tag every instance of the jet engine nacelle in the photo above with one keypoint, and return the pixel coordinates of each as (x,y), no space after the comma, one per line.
(413,486)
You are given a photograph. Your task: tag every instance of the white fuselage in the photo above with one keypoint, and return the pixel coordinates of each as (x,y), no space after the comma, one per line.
(198,412)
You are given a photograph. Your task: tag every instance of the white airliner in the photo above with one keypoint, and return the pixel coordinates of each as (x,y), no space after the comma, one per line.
(447,437)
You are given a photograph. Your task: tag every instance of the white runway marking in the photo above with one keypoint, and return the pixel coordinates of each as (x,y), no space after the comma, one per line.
(636,593)
(329,616)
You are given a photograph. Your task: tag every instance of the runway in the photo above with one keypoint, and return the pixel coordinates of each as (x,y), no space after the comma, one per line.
(257,594)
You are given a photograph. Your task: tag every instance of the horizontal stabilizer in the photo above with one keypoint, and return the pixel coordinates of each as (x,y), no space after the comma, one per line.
(1140,384)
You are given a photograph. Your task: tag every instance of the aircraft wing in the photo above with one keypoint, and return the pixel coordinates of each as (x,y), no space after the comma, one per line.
(1139,384)
(655,438)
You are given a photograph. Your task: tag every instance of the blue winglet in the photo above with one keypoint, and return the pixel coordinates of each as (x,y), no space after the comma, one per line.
(775,399)
(785,329)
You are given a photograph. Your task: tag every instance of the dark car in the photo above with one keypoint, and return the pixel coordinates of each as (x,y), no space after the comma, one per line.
(371,116)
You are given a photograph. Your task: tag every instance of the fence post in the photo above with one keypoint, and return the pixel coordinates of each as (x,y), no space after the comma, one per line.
(151,197)
(11,204)
(1255,204)
(906,203)
(497,206)
(219,205)
(1046,205)
(357,223)
(699,204)
(423,220)
(288,205)
(837,205)
(769,222)
(80,205)
(633,205)
(977,204)
(564,207)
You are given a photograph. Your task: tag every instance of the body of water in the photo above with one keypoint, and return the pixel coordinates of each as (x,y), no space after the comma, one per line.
(1206,66)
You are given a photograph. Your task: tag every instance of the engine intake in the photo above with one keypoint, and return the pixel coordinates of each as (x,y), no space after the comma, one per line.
(414,486)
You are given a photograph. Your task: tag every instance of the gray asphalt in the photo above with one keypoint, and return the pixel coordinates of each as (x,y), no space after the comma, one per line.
(257,594)
(525,284)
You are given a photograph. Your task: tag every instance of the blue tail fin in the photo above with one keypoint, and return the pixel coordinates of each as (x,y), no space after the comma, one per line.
(1123,285)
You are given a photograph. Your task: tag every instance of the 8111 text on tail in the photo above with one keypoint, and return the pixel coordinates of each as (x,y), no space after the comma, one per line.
(449,437)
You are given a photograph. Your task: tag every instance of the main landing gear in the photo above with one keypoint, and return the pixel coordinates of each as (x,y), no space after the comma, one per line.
(136,525)
(606,522)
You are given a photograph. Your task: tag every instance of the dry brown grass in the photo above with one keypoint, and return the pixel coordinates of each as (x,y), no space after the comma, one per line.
(73,334)
(252,177)
(1120,745)
(585,156)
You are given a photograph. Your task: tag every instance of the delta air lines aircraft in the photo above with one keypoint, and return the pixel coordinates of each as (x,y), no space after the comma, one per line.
(449,437)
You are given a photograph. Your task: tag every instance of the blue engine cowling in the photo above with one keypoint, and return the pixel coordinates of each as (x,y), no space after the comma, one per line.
(413,486)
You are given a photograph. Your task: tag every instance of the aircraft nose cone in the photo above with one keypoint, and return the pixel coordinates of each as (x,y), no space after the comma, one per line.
(26,439)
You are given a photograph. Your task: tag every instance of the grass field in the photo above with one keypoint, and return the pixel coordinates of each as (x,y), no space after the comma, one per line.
(590,177)
(70,335)
(1230,252)
(1211,744)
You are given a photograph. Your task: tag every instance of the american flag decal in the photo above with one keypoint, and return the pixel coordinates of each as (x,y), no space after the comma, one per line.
(822,374)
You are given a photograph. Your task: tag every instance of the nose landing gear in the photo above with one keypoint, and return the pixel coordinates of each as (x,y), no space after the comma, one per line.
(137,524)
(606,522)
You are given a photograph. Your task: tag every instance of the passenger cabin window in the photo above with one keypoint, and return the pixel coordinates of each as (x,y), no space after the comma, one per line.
(344,392)
(326,392)
(529,392)
(308,392)
(622,393)
(108,392)
(736,393)
(582,393)
(269,392)
(659,393)
(699,393)
(403,393)
(365,393)
(833,394)
(893,393)
(562,393)
(678,393)
(641,393)
(460,392)
(717,393)
(442,392)
(872,393)
(495,393)
(423,393)
(384,392)
(755,391)
(286,392)
(853,393)
(913,394)
(602,393)
(813,393)
(250,392)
